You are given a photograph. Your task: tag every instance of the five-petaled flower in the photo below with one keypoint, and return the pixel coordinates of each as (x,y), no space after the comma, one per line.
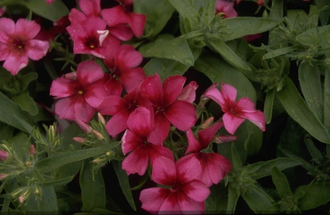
(185,192)
(235,112)
(17,44)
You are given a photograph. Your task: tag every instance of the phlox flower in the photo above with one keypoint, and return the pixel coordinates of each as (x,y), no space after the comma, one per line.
(226,7)
(235,112)
(185,194)
(80,92)
(120,16)
(17,44)
(121,108)
(91,37)
(214,166)
(136,141)
(123,64)
(168,109)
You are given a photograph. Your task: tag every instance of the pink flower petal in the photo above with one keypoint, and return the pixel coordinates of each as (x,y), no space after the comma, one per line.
(181,114)
(90,7)
(257,117)
(36,49)
(228,93)
(7,29)
(130,142)
(188,93)
(115,15)
(137,23)
(15,62)
(112,105)
(171,204)
(76,16)
(89,72)
(117,123)
(151,88)
(231,122)
(94,94)
(113,86)
(153,198)
(157,152)
(213,93)
(136,162)
(141,122)
(188,168)
(205,136)
(27,29)
(83,110)
(4,51)
(164,172)
(160,132)
(172,87)
(62,87)
(122,32)
(64,108)
(132,78)
(245,104)
(127,57)
(194,145)
(196,190)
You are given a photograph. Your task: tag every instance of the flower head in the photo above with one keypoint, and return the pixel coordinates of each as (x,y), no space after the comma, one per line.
(17,44)
(226,7)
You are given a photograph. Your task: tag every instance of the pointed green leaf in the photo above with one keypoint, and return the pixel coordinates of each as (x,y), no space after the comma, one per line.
(9,109)
(52,163)
(26,103)
(57,182)
(235,159)
(281,183)
(324,14)
(326,98)
(313,151)
(316,194)
(124,183)
(26,79)
(310,85)
(258,200)
(92,187)
(242,26)
(268,106)
(276,12)
(296,107)
(53,11)
(233,196)
(315,36)
(47,203)
(186,11)
(279,52)
(216,202)
(174,49)
(228,54)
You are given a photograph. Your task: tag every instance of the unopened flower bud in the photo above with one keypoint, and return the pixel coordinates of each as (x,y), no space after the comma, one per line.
(2,176)
(188,93)
(79,140)
(32,150)
(37,191)
(3,155)
(260,2)
(108,153)
(207,122)
(71,76)
(83,126)
(224,138)
(97,160)
(28,164)
(101,118)
(98,135)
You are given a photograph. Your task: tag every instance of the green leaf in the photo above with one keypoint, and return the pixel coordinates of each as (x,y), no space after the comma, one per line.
(276,11)
(268,106)
(12,114)
(257,199)
(175,49)
(216,202)
(242,26)
(52,163)
(279,52)
(186,11)
(235,158)
(315,36)
(324,14)
(124,183)
(263,168)
(228,54)
(297,109)
(218,70)
(326,94)
(26,79)
(313,151)
(158,13)
(92,187)
(6,132)
(26,103)
(53,11)
(57,182)
(316,194)
(47,203)
(310,85)
(281,183)
(233,196)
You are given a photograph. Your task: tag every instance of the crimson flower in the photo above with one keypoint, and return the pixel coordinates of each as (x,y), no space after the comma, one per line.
(122,63)
(214,166)
(80,92)
(185,192)
(120,108)
(136,140)
(17,44)
(226,7)
(120,16)
(235,112)
(168,109)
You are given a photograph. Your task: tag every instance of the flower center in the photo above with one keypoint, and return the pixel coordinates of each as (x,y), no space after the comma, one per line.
(92,42)
(80,92)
